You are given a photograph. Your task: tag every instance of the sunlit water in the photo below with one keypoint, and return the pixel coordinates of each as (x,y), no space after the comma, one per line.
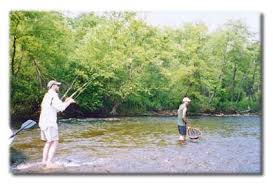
(145,145)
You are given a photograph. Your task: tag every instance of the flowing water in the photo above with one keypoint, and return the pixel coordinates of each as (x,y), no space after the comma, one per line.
(145,145)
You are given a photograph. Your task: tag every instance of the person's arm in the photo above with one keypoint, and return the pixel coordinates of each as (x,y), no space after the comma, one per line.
(59,105)
(184,116)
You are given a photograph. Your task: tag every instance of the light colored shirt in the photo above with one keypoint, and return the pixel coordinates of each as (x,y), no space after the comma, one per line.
(181,113)
(50,106)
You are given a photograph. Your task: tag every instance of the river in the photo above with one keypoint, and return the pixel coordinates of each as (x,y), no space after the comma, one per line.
(145,145)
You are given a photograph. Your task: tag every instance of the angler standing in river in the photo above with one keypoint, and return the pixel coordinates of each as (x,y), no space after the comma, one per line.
(182,121)
(50,106)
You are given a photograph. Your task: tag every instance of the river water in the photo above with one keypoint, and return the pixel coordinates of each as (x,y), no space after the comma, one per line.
(145,145)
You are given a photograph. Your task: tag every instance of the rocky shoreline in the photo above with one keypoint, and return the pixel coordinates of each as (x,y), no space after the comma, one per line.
(217,114)
(169,113)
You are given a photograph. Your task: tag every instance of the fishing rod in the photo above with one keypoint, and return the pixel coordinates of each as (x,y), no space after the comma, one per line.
(80,90)
(70,87)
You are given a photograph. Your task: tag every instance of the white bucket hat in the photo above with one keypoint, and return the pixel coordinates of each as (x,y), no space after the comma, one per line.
(51,83)
(186,99)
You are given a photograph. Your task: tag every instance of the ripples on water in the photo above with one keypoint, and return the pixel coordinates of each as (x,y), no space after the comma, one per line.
(146,145)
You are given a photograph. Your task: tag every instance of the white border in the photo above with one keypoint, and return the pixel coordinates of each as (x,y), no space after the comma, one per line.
(262,6)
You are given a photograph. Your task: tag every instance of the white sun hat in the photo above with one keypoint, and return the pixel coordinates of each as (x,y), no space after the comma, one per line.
(51,83)
(186,99)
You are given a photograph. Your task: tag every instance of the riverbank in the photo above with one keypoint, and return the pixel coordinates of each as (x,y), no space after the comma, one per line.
(174,113)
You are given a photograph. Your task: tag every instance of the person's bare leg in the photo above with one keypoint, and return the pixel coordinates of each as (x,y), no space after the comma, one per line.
(182,139)
(45,152)
(51,153)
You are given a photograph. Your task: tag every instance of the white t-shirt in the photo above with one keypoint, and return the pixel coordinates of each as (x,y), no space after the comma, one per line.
(50,106)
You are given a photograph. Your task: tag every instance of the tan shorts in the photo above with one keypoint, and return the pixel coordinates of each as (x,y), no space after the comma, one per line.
(50,134)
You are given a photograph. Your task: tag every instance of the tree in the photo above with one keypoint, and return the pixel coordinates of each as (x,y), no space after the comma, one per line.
(131,66)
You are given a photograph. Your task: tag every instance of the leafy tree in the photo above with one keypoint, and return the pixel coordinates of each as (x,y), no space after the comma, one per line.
(132,67)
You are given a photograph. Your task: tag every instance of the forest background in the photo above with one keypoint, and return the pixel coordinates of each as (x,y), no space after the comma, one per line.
(133,67)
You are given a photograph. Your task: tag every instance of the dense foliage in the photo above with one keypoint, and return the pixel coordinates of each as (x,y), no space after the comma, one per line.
(132,66)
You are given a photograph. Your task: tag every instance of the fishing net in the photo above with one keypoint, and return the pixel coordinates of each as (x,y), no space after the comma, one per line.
(194,133)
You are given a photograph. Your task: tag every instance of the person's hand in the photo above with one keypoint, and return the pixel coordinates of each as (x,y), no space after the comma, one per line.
(70,100)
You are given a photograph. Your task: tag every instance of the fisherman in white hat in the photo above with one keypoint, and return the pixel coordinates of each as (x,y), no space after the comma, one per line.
(182,121)
(50,106)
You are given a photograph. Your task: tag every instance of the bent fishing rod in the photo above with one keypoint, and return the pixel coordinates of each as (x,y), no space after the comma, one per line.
(78,91)
(70,87)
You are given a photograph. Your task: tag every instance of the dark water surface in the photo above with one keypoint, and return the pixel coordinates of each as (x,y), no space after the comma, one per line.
(229,145)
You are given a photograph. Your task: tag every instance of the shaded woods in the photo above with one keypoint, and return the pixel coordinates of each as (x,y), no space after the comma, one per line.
(132,66)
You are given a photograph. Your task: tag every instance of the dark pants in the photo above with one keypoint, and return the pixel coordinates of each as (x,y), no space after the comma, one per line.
(182,130)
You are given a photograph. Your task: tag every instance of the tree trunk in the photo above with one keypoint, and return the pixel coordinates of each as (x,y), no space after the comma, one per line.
(211,97)
(187,91)
(39,75)
(114,109)
(13,55)
(14,47)
(233,81)
(19,66)
(220,78)
(241,86)
(253,82)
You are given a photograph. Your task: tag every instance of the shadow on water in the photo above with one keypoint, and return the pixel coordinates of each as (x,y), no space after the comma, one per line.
(17,157)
